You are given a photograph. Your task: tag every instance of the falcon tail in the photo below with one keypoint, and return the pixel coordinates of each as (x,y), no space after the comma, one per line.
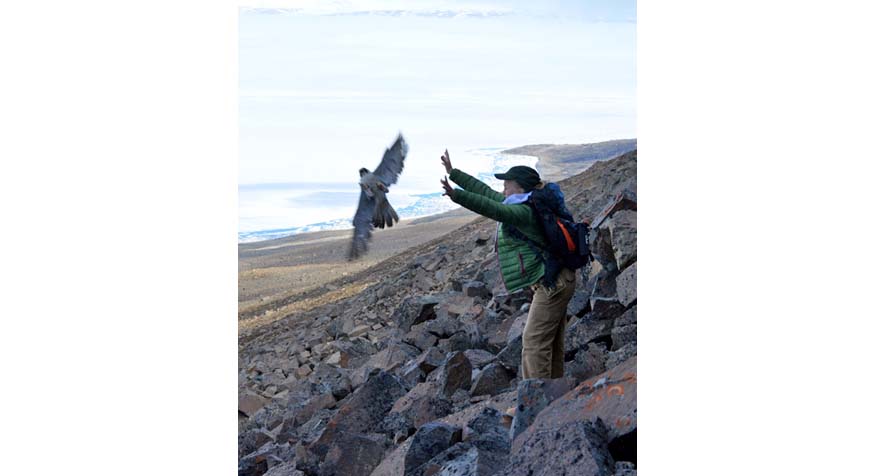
(384,215)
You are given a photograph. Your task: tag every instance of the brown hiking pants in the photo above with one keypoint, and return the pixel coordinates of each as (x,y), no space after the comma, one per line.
(544,334)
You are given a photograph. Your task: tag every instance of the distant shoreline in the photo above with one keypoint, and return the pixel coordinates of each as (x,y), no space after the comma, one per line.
(553,161)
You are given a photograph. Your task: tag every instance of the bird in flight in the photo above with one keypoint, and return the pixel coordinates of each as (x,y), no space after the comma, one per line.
(374,209)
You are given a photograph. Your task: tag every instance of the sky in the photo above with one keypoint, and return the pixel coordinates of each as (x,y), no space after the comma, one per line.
(326,86)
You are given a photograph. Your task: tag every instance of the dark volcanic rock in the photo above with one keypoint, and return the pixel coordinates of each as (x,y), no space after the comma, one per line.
(589,361)
(479,357)
(603,308)
(443,327)
(579,304)
(454,374)
(533,395)
(332,380)
(512,354)
(463,459)
(420,337)
(353,455)
(285,469)
(492,380)
(487,432)
(430,440)
(419,406)
(623,226)
(624,468)
(457,342)
(475,289)
(625,329)
(392,357)
(627,285)
(414,310)
(621,355)
(363,411)
(584,331)
(572,448)
(602,249)
(430,360)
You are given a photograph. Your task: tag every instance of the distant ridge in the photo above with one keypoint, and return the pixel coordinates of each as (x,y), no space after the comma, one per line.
(560,161)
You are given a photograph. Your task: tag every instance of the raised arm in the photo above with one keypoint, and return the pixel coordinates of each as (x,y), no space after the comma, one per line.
(468,182)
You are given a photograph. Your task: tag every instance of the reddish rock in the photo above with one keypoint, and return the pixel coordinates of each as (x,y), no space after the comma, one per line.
(611,396)
(250,402)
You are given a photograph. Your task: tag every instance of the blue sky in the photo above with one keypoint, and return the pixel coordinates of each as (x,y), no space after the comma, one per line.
(326,86)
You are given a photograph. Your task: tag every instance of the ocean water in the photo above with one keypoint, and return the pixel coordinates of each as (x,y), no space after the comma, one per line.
(276,210)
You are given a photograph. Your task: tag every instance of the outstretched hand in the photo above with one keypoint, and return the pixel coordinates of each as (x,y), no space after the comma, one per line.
(445,159)
(448,189)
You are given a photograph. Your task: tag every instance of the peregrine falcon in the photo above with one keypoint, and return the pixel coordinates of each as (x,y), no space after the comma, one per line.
(374,209)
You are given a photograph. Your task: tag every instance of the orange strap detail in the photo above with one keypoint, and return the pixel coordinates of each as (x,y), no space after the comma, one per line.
(568,239)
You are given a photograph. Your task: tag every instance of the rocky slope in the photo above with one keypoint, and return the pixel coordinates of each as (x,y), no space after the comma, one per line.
(411,367)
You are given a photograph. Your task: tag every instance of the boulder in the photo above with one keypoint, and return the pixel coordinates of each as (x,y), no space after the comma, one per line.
(363,411)
(338,359)
(393,463)
(431,439)
(584,331)
(573,447)
(624,468)
(332,380)
(457,305)
(305,412)
(511,355)
(457,342)
(588,361)
(475,289)
(492,380)
(392,357)
(417,407)
(518,324)
(454,374)
(623,226)
(419,337)
(625,329)
(486,432)
(601,248)
(479,358)
(627,285)
(621,355)
(358,351)
(284,469)
(415,310)
(604,308)
(443,327)
(429,360)
(353,455)
(533,395)
(250,402)
(610,396)
(463,459)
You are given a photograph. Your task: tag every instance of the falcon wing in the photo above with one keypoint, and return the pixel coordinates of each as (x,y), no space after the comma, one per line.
(393,162)
(362,224)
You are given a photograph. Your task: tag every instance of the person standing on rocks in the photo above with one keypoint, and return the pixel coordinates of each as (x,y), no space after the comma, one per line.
(519,264)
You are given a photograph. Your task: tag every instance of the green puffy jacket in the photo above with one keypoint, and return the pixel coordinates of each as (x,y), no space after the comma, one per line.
(520,265)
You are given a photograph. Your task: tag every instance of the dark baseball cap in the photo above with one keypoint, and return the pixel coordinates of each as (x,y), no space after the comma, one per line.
(527,177)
